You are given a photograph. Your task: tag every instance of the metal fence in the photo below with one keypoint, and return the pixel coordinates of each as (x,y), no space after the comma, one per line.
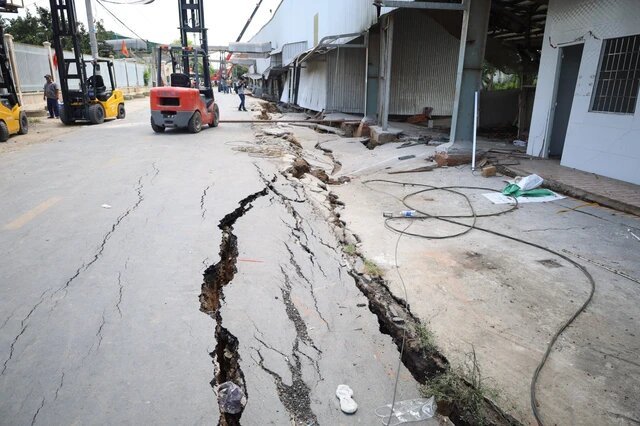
(32,63)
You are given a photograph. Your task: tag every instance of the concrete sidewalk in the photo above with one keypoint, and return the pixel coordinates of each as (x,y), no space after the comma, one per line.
(590,187)
(498,298)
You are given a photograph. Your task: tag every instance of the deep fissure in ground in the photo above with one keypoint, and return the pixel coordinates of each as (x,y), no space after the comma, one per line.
(226,358)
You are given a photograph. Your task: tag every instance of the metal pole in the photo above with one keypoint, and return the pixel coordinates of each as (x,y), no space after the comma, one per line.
(475,132)
(92,30)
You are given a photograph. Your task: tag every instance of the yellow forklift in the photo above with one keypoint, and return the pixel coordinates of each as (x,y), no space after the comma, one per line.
(85,98)
(12,119)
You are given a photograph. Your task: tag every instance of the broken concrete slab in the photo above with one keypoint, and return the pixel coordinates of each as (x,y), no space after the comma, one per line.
(380,136)
(276,131)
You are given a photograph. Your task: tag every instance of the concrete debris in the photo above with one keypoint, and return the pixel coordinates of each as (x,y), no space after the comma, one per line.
(299,168)
(447,159)
(328,129)
(380,136)
(489,171)
(231,398)
(275,131)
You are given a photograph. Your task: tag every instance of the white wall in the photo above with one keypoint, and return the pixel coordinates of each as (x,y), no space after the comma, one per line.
(293,21)
(603,143)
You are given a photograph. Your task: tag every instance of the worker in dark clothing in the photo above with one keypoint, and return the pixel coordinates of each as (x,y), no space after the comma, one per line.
(240,87)
(51,92)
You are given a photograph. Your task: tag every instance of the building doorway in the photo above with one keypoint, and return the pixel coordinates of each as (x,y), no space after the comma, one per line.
(569,66)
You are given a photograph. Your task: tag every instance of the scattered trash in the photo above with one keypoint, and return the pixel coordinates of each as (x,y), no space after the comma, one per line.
(521,144)
(408,213)
(411,410)
(347,404)
(105,206)
(231,398)
(634,235)
(526,187)
(498,198)
(489,171)
(406,157)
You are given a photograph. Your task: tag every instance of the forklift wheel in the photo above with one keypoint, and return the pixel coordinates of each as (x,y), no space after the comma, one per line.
(4,131)
(216,116)
(121,112)
(156,128)
(24,124)
(96,114)
(195,124)
(63,117)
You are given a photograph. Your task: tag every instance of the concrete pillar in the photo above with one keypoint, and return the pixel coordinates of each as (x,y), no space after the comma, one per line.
(384,82)
(52,69)
(469,79)
(126,72)
(11,53)
(115,76)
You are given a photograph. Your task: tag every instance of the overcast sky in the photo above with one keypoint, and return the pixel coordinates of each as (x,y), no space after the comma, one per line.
(158,21)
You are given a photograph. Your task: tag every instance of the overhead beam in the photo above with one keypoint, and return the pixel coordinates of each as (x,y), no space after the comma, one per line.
(422,5)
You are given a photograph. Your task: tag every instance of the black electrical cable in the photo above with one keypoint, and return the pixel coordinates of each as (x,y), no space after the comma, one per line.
(474,215)
(119,20)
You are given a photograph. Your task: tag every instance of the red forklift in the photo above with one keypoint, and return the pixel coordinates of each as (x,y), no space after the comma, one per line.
(188,101)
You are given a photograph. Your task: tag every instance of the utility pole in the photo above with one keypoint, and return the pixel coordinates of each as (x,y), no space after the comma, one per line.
(92,30)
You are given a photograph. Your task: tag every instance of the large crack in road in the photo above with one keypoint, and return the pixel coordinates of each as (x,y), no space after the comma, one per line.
(225,356)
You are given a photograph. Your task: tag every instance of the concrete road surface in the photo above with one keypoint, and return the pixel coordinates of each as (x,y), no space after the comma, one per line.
(105,233)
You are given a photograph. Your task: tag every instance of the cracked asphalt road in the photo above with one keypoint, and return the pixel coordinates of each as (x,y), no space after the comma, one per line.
(105,233)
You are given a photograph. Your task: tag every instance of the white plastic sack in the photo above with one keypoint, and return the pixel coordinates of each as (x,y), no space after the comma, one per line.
(530,182)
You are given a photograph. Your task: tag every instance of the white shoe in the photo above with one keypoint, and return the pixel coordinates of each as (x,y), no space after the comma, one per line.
(347,404)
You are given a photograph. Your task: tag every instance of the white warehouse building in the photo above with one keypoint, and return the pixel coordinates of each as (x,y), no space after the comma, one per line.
(586,109)
(326,56)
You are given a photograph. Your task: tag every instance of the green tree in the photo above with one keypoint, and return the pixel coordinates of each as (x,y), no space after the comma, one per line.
(36,28)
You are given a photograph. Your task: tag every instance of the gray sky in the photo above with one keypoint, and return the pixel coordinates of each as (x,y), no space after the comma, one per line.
(158,21)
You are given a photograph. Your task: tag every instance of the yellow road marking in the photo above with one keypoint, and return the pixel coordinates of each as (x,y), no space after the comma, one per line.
(32,214)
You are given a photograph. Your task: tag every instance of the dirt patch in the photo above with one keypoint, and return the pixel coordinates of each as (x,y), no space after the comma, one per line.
(41,129)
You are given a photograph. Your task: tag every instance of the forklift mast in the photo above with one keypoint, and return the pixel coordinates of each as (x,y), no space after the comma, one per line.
(192,21)
(7,82)
(63,14)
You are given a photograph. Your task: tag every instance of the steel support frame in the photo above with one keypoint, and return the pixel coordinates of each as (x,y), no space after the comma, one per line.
(384,80)
(473,40)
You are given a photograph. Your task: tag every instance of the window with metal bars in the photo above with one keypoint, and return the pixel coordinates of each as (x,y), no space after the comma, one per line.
(618,76)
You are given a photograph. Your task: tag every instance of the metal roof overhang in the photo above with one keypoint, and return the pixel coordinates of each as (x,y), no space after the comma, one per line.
(251,48)
(274,71)
(331,42)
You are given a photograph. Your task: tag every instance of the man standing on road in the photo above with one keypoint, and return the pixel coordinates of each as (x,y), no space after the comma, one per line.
(240,87)
(51,92)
